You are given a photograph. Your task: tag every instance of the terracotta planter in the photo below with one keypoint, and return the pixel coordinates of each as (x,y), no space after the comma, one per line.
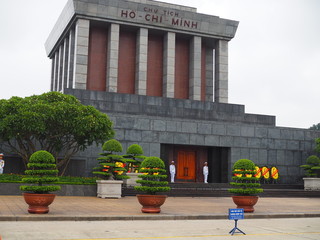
(38,203)
(245,202)
(151,203)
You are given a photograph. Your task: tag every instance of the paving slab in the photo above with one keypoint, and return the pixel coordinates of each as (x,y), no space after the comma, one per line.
(69,208)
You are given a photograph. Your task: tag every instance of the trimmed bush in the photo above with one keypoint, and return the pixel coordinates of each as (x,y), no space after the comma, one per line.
(244,181)
(312,167)
(153,178)
(134,157)
(112,146)
(135,149)
(111,165)
(41,170)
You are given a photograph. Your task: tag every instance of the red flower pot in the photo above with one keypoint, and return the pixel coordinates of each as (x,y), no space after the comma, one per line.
(151,203)
(38,203)
(245,202)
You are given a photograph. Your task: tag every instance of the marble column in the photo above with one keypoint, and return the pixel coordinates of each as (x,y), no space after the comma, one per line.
(141,62)
(169,64)
(81,54)
(52,72)
(65,63)
(113,58)
(195,69)
(56,71)
(61,64)
(221,72)
(209,75)
(71,49)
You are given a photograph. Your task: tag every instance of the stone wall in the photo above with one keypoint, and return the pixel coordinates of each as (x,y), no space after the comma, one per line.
(152,121)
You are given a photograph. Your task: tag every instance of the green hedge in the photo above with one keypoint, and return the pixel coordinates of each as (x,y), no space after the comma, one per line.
(17,178)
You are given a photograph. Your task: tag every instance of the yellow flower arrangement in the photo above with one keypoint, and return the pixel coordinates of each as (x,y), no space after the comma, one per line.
(119,164)
(237,174)
(258,172)
(274,173)
(265,173)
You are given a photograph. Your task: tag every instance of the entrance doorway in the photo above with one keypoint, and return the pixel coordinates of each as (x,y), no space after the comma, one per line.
(189,161)
(186,165)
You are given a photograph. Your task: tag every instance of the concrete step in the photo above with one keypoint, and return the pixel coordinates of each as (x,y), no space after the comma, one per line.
(221,190)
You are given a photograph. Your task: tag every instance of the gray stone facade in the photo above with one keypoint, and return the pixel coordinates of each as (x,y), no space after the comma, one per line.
(218,132)
(68,44)
(154,121)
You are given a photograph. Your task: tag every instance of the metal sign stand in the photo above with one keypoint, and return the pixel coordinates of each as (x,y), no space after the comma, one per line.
(236,214)
(233,231)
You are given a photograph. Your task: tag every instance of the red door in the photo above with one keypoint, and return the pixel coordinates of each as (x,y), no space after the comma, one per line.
(186,165)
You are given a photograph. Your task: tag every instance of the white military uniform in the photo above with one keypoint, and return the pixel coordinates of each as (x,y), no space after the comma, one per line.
(172,172)
(205,173)
(1,166)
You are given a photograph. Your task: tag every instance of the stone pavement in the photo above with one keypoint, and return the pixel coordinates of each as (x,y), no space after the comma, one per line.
(66,208)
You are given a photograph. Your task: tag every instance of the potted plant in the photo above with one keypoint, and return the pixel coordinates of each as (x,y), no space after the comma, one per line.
(134,157)
(312,168)
(112,169)
(246,185)
(153,181)
(41,170)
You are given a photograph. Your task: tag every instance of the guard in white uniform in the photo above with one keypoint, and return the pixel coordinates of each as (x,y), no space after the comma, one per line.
(172,171)
(205,172)
(1,163)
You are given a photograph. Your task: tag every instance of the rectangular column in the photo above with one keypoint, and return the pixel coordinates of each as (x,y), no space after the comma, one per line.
(141,62)
(65,63)
(113,58)
(209,75)
(52,72)
(169,65)
(61,64)
(56,70)
(195,69)
(81,54)
(221,72)
(70,77)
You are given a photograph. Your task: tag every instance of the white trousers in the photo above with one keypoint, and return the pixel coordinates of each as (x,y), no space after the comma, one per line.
(206,178)
(172,177)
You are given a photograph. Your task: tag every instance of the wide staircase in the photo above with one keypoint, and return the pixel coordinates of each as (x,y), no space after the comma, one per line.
(221,190)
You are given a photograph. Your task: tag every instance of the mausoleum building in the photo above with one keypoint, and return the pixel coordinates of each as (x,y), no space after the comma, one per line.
(160,71)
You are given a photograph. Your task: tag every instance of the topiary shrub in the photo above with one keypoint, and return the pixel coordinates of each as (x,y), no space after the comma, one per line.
(134,156)
(41,170)
(112,146)
(111,165)
(153,177)
(312,167)
(244,181)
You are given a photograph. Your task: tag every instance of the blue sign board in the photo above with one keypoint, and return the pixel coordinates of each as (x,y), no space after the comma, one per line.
(236,213)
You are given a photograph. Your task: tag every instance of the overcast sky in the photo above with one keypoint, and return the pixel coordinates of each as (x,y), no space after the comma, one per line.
(274,59)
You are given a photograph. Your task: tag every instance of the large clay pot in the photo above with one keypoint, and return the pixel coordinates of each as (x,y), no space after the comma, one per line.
(38,203)
(151,203)
(245,202)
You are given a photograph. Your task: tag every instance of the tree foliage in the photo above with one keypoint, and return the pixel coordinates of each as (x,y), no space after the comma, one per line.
(55,122)
(315,127)
(317,149)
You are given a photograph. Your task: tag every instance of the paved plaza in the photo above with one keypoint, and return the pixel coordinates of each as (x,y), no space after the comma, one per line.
(14,208)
